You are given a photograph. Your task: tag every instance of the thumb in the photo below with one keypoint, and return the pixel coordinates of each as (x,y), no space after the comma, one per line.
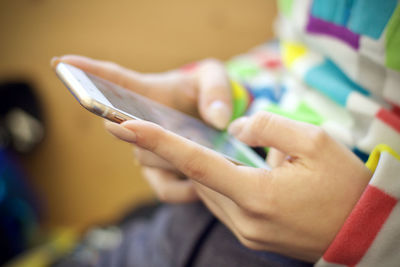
(214,93)
(266,129)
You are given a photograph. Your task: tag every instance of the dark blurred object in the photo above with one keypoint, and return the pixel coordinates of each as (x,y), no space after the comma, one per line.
(18,212)
(55,245)
(21,127)
(21,130)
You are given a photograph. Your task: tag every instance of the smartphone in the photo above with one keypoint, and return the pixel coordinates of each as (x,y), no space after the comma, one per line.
(117,104)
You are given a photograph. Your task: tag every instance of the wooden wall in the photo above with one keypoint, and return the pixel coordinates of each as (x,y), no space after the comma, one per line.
(81,173)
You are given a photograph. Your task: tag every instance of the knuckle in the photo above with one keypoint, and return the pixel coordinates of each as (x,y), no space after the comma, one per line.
(259,206)
(256,127)
(251,205)
(245,230)
(318,138)
(246,238)
(248,227)
(147,142)
(192,167)
(251,237)
(261,120)
(151,138)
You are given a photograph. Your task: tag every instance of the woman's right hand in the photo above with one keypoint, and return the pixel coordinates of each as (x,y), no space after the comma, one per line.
(202,92)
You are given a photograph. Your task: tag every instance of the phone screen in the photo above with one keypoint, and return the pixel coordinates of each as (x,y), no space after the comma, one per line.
(140,107)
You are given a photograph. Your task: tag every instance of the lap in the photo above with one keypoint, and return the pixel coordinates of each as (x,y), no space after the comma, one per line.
(180,235)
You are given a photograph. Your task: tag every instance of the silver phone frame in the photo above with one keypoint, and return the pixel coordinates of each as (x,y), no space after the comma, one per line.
(74,85)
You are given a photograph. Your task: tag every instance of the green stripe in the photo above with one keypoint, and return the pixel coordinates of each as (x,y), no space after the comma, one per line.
(285,7)
(393,41)
(302,113)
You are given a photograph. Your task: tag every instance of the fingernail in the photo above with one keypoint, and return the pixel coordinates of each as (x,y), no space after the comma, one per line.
(219,114)
(121,132)
(53,61)
(236,126)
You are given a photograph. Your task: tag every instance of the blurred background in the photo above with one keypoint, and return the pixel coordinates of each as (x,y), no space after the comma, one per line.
(60,172)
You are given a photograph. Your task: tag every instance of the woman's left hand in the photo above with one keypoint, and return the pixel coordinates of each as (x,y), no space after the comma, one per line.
(295,209)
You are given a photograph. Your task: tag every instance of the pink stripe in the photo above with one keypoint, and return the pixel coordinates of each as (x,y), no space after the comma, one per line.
(361,227)
(389,118)
(316,25)
(396,110)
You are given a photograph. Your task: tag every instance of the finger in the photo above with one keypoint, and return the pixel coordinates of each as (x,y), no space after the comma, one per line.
(169,187)
(275,157)
(215,97)
(196,162)
(226,211)
(271,130)
(219,211)
(107,70)
(149,159)
(144,156)
(172,88)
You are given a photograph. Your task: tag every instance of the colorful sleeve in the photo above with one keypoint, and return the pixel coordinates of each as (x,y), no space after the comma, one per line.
(371,234)
(346,52)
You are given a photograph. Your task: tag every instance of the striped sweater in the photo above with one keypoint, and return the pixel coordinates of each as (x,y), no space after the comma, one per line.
(337,65)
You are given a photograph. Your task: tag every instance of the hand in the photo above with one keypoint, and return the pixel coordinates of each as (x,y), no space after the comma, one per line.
(295,209)
(204,92)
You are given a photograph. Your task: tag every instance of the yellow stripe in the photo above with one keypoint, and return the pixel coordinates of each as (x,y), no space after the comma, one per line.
(292,51)
(376,154)
(238,91)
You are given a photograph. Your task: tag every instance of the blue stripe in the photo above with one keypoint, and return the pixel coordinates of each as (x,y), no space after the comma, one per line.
(335,11)
(361,155)
(332,82)
(369,17)
(273,92)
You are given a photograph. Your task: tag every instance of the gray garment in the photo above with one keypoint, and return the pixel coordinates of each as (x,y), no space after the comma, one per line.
(184,235)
